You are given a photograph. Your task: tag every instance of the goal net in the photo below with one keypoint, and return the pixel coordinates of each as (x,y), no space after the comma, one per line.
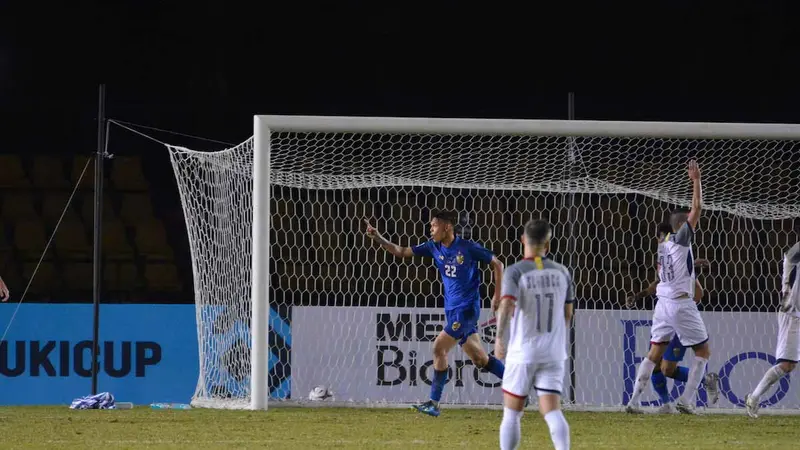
(295,283)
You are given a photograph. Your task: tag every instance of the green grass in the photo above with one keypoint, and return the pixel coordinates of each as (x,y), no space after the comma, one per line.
(319,428)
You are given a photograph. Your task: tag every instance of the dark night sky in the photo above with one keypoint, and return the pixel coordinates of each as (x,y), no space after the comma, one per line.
(206,67)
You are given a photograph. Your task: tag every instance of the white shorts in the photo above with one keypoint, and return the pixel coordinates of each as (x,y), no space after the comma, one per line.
(788,347)
(679,317)
(546,378)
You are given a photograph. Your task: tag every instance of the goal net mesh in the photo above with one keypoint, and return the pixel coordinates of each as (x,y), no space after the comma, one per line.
(347,315)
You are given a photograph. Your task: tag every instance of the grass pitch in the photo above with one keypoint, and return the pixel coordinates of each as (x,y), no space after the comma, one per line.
(315,428)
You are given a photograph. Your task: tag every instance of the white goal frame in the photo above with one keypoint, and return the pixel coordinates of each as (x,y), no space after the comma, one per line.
(264,125)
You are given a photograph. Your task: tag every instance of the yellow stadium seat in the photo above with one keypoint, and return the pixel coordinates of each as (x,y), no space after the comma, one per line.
(115,241)
(127,174)
(78,276)
(48,172)
(30,239)
(71,240)
(151,240)
(19,206)
(162,277)
(136,208)
(13,174)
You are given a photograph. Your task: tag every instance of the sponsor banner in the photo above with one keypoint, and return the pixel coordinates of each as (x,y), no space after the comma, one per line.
(611,344)
(148,353)
(383,354)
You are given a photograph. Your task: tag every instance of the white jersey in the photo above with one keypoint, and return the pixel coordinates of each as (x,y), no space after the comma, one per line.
(676,265)
(790,278)
(538,331)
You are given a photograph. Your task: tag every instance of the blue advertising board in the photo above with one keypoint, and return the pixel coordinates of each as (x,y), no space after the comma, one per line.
(148,353)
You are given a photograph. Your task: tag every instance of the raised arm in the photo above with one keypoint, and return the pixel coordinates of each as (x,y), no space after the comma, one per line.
(697,194)
(396,250)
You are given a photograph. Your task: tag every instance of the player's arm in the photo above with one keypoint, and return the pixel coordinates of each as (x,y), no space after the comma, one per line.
(697,194)
(497,271)
(569,302)
(505,310)
(3,290)
(630,302)
(395,249)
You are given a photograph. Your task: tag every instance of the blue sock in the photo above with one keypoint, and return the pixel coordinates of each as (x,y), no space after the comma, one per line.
(681,374)
(496,367)
(437,385)
(660,386)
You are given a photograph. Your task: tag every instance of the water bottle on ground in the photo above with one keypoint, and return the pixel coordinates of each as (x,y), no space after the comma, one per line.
(123,405)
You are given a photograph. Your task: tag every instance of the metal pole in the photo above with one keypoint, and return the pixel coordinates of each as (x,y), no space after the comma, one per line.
(573,162)
(98,232)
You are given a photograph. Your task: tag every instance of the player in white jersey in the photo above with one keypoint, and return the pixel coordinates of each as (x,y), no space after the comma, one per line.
(788,348)
(535,308)
(676,312)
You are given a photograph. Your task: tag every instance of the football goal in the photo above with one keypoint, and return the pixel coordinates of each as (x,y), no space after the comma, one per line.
(291,295)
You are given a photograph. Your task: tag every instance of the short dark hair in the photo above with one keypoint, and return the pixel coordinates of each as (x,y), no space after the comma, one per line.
(445,216)
(536,231)
(677,217)
(664,228)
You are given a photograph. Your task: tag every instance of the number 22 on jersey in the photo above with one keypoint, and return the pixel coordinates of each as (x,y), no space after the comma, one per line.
(450,270)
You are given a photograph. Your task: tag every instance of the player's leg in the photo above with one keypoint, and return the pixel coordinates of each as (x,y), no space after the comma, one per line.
(661,333)
(659,382)
(669,366)
(692,332)
(451,335)
(787,352)
(473,347)
(548,383)
(441,346)
(517,382)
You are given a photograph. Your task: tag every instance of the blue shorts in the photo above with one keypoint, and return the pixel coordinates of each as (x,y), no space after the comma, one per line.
(462,322)
(675,350)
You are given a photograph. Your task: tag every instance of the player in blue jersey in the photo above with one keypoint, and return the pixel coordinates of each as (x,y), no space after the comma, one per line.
(668,367)
(457,260)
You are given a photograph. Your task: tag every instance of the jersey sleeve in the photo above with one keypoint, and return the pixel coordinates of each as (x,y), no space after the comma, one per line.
(684,235)
(480,253)
(423,249)
(793,255)
(511,278)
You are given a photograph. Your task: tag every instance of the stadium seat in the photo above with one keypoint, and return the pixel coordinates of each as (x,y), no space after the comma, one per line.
(121,276)
(151,240)
(162,277)
(127,174)
(71,240)
(48,172)
(136,208)
(115,241)
(30,239)
(45,279)
(13,174)
(78,276)
(79,163)
(53,206)
(5,242)
(19,206)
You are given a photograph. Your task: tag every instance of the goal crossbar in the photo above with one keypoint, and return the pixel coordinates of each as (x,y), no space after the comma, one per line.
(524,127)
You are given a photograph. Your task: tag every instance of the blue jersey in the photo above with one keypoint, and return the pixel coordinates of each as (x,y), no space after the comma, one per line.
(458,265)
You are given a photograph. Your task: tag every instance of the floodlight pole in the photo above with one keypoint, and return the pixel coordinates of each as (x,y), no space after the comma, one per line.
(97,287)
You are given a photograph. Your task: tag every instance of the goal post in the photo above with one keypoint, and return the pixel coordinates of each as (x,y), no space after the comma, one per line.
(290,295)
